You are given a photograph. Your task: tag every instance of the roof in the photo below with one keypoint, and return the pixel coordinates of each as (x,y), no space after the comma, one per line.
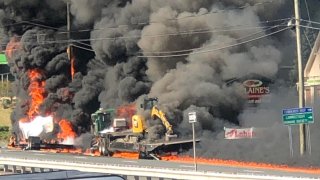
(314,53)
(3,59)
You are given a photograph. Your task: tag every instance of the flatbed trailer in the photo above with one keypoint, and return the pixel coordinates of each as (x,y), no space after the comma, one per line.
(131,142)
(35,143)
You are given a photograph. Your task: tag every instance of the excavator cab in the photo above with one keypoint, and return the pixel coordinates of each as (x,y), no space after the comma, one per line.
(149,103)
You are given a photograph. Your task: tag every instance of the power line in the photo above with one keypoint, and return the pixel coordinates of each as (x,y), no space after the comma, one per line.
(80,42)
(310,27)
(82,48)
(202,31)
(314,22)
(193,49)
(123,25)
(306,3)
(210,50)
(197,31)
(198,52)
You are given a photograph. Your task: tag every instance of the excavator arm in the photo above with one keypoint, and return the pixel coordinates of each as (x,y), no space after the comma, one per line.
(155,112)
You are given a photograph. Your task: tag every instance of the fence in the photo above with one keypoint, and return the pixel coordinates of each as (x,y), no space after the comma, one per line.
(5,85)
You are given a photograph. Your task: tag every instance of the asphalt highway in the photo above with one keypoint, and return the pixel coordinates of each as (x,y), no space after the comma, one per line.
(39,155)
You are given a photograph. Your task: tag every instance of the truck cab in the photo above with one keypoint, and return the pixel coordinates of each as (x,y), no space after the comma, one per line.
(101,120)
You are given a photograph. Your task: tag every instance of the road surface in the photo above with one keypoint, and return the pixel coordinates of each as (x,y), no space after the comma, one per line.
(38,155)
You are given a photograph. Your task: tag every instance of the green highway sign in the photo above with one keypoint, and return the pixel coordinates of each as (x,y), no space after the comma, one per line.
(297,116)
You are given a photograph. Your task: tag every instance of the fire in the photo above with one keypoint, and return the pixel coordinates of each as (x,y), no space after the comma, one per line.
(126,111)
(234,163)
(89,152)
(36,92)
(72,59)
(128,155)
(13,45)
(72,67)
(66,132)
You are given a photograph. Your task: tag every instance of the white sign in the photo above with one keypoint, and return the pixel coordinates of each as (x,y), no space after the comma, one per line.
(235,133)
(192,117)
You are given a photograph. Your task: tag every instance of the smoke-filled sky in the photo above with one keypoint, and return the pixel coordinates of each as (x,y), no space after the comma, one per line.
(181,51)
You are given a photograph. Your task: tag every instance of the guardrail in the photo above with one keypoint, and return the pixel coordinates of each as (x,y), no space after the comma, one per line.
(130,170)
(14,169)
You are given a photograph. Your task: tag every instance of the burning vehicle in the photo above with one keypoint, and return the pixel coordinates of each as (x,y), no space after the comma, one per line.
(121,130)
(132,135)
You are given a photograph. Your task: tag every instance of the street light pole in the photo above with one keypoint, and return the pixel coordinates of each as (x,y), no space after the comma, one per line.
(192,120)
(302,127)
(194,147)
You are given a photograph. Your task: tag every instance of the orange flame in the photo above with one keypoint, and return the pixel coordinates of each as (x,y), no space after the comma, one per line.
(126,111)
(72,59)
(235,163)
(13,45)
(66,130)
(72,67)
(128,155)
(36,92)
(89,152)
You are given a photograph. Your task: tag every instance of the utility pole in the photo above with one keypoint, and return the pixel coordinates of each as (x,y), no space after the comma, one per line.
(69,50)
(302,127)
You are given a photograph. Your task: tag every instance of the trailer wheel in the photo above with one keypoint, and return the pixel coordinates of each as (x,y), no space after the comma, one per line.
(103,147)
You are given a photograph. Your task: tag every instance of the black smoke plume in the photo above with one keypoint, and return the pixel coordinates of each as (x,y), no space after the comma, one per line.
(178,51)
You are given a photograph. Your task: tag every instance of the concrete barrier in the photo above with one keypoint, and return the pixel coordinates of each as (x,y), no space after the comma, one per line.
(131,170)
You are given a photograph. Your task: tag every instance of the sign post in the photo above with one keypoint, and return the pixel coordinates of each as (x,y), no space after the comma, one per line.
(192,120)
(290,141)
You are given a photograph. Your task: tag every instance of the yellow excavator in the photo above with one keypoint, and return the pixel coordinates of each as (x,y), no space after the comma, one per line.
(134,138)
(138,121)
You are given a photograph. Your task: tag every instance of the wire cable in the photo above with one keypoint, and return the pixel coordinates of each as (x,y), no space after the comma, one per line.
(211,50)
(193,49)
(153,36)
(82,48)
(307,8)
(313,22)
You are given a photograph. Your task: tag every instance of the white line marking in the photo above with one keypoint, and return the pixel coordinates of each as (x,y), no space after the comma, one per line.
(253,171)
(130,161)
(80,157)
(186,166)
(39,154)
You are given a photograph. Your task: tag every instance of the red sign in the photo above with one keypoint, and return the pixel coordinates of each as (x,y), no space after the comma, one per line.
(255,89)
(233,133)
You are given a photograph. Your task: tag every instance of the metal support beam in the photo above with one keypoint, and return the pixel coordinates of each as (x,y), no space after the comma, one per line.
(22,170)
(14,169)
(5,168)
(32,170)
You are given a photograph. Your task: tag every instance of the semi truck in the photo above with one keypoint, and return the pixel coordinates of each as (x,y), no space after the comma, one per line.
(122,129)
